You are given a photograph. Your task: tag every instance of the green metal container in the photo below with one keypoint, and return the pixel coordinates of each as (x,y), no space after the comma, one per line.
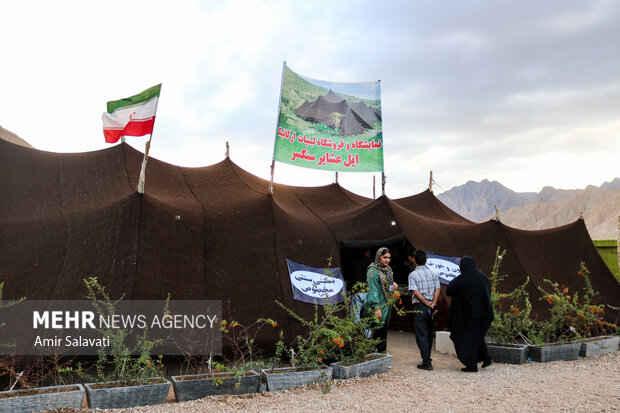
(608,248)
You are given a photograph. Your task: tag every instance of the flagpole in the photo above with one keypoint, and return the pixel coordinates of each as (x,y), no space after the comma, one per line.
(119,121)
(273,160)
(142,179)
(383,171)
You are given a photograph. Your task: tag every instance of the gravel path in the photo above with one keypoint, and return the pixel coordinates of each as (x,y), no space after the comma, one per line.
(591,385)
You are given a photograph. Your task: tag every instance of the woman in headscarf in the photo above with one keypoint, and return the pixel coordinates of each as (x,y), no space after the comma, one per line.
(471,314)
(381,285)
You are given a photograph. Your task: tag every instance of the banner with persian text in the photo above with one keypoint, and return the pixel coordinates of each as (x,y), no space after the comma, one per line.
(330,126)
(447,268)
(316,285)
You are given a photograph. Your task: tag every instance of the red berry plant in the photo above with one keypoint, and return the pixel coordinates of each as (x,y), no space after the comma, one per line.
(512,309)
(574,315)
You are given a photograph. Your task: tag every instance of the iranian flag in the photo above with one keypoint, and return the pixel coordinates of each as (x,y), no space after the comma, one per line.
(132,116)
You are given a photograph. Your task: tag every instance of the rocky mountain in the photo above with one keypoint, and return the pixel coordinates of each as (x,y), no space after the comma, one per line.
(615,184)
(13,138)
(600,206)
(476,200)
(600,209)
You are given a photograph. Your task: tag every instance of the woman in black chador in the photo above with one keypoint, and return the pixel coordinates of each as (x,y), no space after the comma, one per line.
(471,314)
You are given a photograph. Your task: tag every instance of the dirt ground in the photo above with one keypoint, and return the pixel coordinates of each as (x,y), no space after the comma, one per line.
(586,385)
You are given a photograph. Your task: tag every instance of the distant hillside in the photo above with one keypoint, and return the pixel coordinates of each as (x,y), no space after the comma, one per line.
(476,200)
(600,208)
(13,138)
(549,208)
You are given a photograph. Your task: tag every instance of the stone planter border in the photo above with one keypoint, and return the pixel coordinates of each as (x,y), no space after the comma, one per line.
(27,400)
(289,377)
(378,365)
(508,353)
(197,386)
(126,396)
(598,345)
(555,352)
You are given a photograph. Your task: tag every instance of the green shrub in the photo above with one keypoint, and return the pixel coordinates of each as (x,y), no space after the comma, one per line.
(512,322)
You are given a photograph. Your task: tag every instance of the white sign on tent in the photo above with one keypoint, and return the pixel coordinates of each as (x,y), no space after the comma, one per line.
(447,268)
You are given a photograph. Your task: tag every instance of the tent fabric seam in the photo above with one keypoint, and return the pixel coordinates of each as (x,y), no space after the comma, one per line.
(204,228)
(230,165)
(275,252)
(66,225)
(316,215)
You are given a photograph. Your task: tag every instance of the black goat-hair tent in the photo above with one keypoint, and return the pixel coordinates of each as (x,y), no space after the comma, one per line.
(216,233)
(356,117)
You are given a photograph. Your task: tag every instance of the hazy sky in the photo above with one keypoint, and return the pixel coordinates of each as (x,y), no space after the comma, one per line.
(523,92)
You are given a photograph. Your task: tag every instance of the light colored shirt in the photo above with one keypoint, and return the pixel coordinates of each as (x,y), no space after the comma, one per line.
(424,281)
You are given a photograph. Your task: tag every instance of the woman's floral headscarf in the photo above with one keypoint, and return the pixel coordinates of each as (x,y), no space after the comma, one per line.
(386,275)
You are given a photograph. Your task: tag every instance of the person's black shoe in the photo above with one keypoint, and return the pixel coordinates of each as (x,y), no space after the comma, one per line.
(470,369)
(425,366)
(487,363)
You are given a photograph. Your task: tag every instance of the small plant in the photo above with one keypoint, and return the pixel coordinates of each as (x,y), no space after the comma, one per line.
(336,119)
(512,321)
(7,304)
(573,315)
(323,128)
(122,366)
(32,371)
(35,371)
(335,333)
(8,363)
(239,340)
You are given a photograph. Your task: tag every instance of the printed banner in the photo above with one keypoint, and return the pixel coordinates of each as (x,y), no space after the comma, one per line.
(316,285)
(328,125)
(447,268)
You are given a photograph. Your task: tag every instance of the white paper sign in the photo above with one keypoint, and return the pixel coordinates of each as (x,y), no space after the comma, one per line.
(316,285)
(444,269)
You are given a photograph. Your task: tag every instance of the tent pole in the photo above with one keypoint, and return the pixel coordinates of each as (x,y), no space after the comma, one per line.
(336,177)
(430,183)
(382,183)
(142,178)
(273,165)
(227,150)
(373,187)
